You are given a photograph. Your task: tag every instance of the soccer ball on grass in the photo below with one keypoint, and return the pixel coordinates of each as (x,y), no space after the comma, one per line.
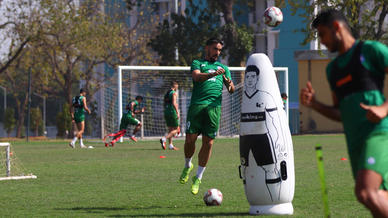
(212,197)
(273,16)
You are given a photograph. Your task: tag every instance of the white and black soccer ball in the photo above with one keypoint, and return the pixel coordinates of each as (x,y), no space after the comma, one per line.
(273,16)
(213,197)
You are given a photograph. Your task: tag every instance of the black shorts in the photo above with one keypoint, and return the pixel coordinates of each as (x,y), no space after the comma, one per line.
(261,146)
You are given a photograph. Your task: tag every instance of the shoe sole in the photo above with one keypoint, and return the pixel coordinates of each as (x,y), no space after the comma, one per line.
(163,146)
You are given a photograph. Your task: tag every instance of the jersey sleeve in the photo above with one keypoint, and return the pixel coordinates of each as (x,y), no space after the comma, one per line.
(195,65)
(376,56)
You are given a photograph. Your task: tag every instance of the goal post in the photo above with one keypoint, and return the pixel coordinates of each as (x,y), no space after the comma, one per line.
(8,164)
(141,74)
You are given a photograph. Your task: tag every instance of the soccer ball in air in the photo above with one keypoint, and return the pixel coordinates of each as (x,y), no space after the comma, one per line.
(273,16)
(212,197)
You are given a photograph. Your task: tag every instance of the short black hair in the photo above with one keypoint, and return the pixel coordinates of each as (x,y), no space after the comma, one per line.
(328,16)
(139,97)
(173,83)
(214,40)
(252,68)
(81,90)
(284,95)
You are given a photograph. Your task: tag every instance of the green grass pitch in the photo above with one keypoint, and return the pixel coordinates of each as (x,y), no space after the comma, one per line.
(131,180)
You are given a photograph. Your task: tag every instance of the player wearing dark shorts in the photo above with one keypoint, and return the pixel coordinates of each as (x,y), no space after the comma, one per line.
(204,113)
(356,78)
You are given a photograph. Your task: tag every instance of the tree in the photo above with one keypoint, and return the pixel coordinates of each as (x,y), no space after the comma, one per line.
(238,38)
(366,17)
(64,123)
(9,120)
(15,79)
(188,33)
(75,40)
(14,16)
(36,120)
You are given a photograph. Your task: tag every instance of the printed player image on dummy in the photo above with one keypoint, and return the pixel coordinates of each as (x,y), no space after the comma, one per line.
(266,151)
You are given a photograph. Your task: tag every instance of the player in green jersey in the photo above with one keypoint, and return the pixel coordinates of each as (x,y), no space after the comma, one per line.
(356,78)
(171,115)
(204,113)
(78,117)
(128,118)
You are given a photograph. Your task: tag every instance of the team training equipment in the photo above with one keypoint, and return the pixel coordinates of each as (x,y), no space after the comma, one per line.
(111,139)
(152,82)
(318,152)
(213,197)
(10,166)
(273,16)
(266,151)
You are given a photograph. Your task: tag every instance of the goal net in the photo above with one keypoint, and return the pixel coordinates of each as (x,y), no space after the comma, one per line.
(10,167)
(152,82)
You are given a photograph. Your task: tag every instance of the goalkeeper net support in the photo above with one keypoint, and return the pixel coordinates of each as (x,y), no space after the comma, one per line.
(10,168)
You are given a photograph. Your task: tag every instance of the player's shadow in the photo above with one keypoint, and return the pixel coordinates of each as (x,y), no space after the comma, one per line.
(202,214)
(94,209)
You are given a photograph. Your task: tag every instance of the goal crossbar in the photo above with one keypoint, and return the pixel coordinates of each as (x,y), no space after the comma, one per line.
(180,68)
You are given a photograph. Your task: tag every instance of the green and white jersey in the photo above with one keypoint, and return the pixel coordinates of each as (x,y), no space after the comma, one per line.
(79,110)
(169,108)
(208,92)
(357,76)
(128,108)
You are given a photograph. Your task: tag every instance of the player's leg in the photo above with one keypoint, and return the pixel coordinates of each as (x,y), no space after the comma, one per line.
(210,128)
(372,174)
(368,193)
(81,129)
(134,121)
(172,131)
(203,157)
(72,143)
(189,149)
(137,128)
(193,129)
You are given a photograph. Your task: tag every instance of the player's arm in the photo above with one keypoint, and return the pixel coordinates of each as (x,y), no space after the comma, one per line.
(376,113)
(200,77)
(307,98)
(72,113)
(175,104)
(85,106)
(136,111)
(228,84)
(132,109)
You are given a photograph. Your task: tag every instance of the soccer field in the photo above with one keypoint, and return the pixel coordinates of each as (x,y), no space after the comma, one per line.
(131,180)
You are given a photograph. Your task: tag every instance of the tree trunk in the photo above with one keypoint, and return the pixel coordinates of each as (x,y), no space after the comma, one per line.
(227,10)
(21,114)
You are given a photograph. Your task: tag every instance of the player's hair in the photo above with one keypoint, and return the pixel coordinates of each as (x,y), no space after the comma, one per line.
(252,68)
(139,97)
(81,90)
(284,95)
(212,41)
(173,83)
(328,16)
